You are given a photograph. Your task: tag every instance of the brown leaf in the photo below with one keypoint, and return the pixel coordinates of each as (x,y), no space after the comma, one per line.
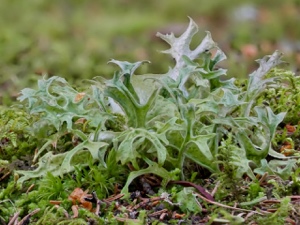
(79,96)
(78,197)
(290,128)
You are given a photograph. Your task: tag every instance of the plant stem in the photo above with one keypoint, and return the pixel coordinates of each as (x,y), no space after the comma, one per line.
(189,121)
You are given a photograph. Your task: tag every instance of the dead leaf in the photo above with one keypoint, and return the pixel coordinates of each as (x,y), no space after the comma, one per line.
(79,96)
(78,197)
(290,128)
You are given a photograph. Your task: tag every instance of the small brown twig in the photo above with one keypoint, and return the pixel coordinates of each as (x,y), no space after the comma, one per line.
(64,211)
(98,202)
(158,212)
(113,198)
(176,215)
(127,220)
(14,218)
(55,202)
(235,204)
(294,197)
(163,215)
(270,201)
(27,217)
(249,215)
(263,178)
(230,207)
(144,202)
(75,211)
(215,189)
(30,188)
(97,210)
(5,175)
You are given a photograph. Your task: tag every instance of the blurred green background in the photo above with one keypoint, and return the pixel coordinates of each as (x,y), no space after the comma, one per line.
(75,38)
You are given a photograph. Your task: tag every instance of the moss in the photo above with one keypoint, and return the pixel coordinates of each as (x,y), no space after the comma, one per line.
(15,139)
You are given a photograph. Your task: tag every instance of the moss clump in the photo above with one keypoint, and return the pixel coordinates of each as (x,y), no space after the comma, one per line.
(15,134)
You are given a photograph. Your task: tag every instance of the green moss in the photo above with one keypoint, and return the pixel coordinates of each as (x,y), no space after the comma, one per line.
(15,140)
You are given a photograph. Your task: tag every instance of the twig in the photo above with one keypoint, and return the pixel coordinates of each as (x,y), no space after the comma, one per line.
(230,207)
(97,210)
(55,202)
(30,188)
(75,211)
(235,204)
(5,175)
(294,197)
(272,210)
(15,217)
(249,215)
(127,220)
(158,212)
(145,201)
(163,215)
(215,189)
(98,203)
(64,211)
(26,218)
(113,198)
(290,221)
(270,201)
(263,178)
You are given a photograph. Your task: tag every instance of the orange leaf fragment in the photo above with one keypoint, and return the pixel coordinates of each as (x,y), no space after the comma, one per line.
(78,198)
(178,216)
(75,195)
(75,211)
(55,202)
(80,121)
(290,128)
(286,149)
(79,96)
